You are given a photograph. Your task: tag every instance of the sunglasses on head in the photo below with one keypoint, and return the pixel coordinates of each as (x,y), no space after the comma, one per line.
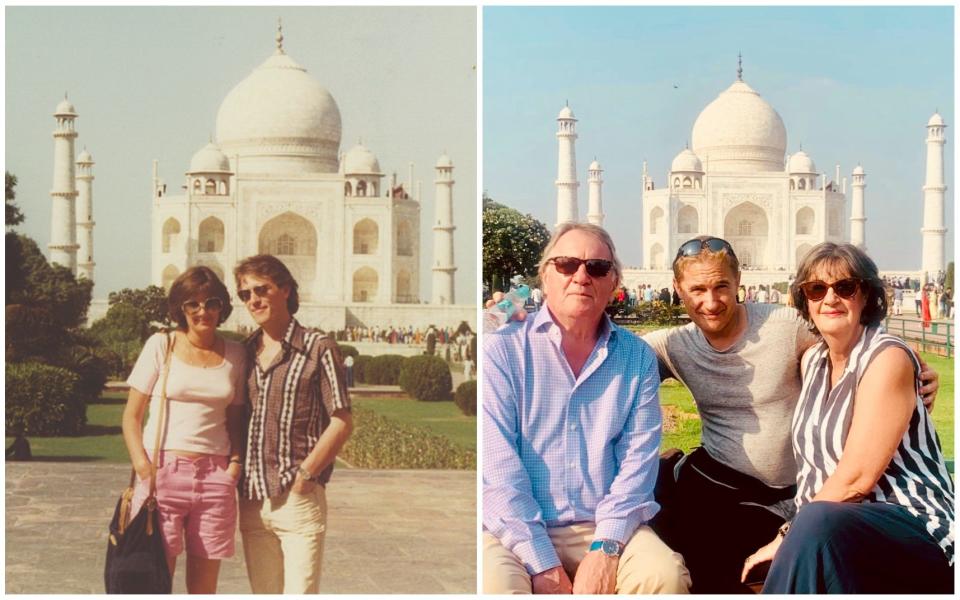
(192,307)
(260,291)
(695,246)
(817,290)
(568,265)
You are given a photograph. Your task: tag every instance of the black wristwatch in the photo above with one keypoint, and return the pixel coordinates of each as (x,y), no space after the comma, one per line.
(305,474)
(782,532)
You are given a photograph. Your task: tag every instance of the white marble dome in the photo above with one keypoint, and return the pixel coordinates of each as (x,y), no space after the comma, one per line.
(209,159)
(858,170)
(936,119)
(282,119)
(740,132)
(686,161)
(801,163)
(65,108)
(444,162)
(566,113)
(360,161)
(595,166)
(85,157)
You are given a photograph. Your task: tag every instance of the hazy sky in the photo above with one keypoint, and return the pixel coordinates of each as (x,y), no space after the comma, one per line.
(147,83)
(851,84)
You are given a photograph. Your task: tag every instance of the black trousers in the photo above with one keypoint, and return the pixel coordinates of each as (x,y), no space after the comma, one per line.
(715,517)
(844,548)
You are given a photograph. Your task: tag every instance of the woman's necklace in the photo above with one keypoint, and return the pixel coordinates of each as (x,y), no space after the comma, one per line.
(202,355)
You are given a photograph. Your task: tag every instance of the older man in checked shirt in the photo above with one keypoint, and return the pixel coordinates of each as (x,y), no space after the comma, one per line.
(571,438)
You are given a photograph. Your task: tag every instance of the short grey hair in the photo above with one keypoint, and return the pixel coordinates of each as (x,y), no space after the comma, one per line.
(589,228)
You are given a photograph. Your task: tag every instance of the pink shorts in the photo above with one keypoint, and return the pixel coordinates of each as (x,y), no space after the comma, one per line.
(197,499)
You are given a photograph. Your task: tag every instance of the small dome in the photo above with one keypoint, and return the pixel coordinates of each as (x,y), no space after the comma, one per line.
(595,166)
(85,157)
(686,161)
(936,119)
(360,161)
(209,159)
(65,108)
(801,163)
(740,132)
(444,162)
(858,170)
(565,113)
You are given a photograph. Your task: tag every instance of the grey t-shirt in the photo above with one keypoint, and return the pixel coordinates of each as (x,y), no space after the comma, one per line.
(746,394)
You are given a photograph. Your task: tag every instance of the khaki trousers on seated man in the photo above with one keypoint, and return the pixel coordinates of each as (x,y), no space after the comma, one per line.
(647,565)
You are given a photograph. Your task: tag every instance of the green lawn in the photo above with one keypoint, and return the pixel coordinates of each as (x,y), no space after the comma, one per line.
(682,425)
(102,439)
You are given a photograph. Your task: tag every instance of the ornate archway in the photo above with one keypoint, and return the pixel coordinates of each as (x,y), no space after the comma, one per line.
(293,239)
(747,230)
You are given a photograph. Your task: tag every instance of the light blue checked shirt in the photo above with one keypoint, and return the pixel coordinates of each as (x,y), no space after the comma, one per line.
(559,449)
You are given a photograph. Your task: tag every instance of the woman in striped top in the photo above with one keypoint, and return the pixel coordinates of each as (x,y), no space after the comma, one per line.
(874,498)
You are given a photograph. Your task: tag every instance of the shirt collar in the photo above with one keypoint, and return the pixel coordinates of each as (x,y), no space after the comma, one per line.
(293,338)
(543,321)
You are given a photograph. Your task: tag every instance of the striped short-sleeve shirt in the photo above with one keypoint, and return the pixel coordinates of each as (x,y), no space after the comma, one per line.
(916,477)
(290,403)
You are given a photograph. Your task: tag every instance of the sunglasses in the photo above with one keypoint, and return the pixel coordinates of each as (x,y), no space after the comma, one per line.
(695,246)
(817,290)
(568,265)
(192,307)
(259,291)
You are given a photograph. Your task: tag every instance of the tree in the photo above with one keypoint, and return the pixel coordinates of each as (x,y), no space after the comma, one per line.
(14,260)
(151,300)
(13,214)
(512,244)
(948,280)
(121,334)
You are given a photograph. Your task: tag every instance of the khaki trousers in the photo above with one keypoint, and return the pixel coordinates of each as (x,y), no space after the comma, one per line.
(283,541)
(647,566)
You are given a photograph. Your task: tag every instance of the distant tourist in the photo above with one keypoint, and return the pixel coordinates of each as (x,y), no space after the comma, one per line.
(898,301)
(199,462)
(348,366)
(299,419)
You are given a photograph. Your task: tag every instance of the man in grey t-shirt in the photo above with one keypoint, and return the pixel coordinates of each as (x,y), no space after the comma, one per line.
(741,363)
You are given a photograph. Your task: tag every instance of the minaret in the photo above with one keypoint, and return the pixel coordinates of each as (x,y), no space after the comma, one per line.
(857,217)
(595,202)
(933,225)
(443,266)
(63,222)
(567,183)
(85,221)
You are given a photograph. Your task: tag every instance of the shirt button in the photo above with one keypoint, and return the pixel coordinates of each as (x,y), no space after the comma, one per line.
(573,465)
(573,427)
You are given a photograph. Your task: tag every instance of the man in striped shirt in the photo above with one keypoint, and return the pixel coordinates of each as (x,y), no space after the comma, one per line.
(299,419)
(571,438)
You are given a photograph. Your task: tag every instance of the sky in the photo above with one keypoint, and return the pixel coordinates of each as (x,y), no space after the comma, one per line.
(852,85)
(147,84)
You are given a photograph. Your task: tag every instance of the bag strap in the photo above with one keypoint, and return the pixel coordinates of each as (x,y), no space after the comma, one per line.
(171,339)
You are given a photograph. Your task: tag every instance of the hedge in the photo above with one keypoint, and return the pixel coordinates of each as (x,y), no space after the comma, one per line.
(43,400)
(379,443)
(426,378)
(466,398)
(348,350)
(360,368)
(384,369)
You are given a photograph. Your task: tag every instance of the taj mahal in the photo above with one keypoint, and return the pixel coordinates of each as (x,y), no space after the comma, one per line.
(738,182)
(274,180)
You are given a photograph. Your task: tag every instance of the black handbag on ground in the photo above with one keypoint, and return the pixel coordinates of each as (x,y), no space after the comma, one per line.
(136,559)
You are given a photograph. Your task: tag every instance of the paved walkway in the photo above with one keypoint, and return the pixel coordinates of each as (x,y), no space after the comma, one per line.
(389,531)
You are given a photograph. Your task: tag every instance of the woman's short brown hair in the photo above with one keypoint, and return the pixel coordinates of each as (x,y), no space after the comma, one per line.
(267,266)
(842,258)
(194,283)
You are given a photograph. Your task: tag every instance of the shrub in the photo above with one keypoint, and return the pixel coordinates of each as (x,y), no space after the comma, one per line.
(348,350)
(379,443)
(426,378)
(466,398)
(360,368)
(43,400)
(384,369)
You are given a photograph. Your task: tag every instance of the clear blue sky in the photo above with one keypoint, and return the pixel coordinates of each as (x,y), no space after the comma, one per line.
(147,83)
(851,84)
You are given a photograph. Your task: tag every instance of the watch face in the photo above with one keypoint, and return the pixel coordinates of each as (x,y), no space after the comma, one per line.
(610,548)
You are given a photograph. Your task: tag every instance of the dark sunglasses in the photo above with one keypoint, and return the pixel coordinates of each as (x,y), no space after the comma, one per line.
(695,246)
(260,291)
(192,307)
(817,290)
(568,265)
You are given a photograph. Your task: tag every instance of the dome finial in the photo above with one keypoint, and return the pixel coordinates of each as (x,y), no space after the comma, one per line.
(279,36)
(739,66)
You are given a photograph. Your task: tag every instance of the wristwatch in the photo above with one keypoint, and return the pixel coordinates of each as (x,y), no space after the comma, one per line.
(305,474)
(782,532)
(609,547)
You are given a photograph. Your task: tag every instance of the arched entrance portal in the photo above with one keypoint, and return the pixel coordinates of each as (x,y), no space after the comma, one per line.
(293,240)
(746,228)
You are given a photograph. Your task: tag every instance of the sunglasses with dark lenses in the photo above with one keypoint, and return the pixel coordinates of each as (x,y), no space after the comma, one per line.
(260,291)
(695,246)
(817,290)
(568,265)
(192,307)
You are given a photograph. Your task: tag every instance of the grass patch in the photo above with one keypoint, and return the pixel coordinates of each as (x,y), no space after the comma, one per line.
(440,418)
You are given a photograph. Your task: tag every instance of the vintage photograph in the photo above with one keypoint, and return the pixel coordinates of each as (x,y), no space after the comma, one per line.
(241,326)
